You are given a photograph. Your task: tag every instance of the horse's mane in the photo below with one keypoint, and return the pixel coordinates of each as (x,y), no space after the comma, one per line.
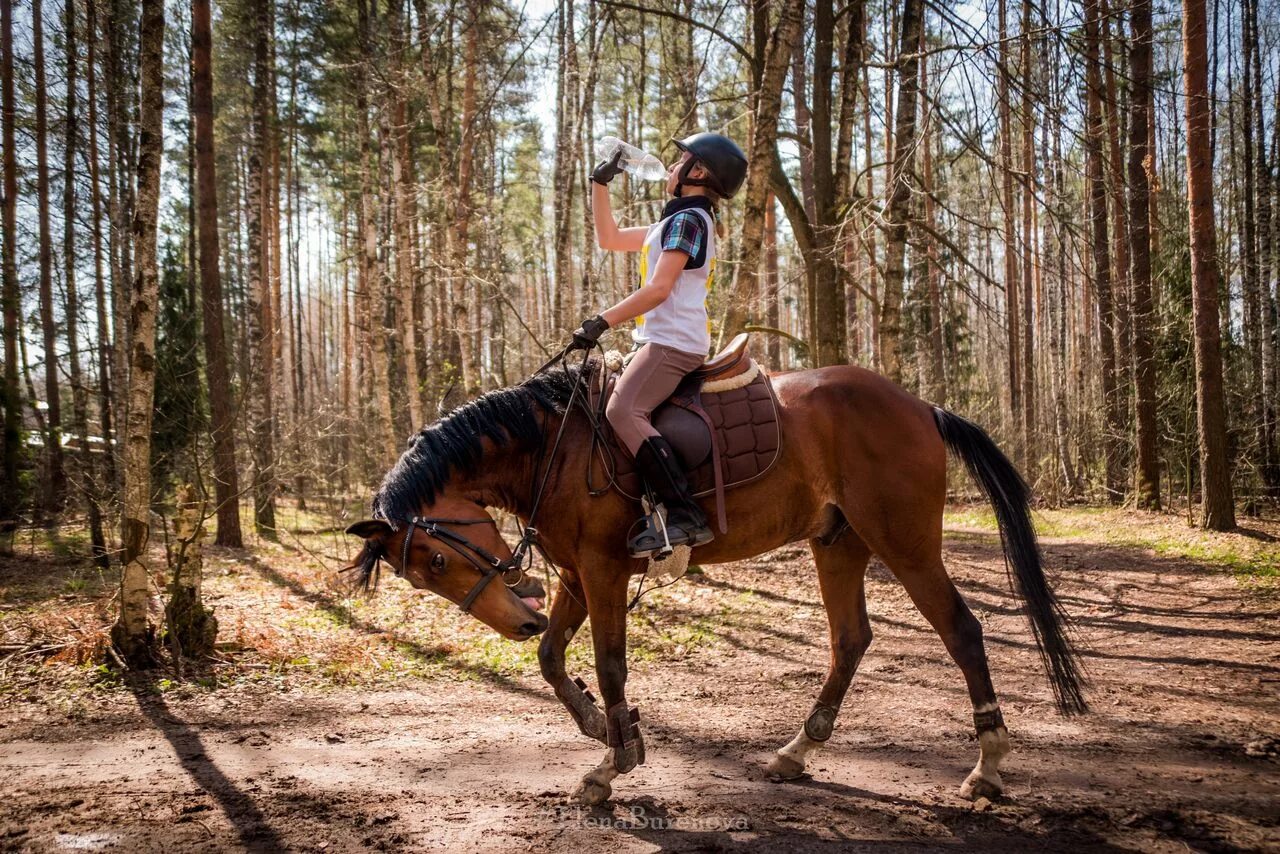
(453,443)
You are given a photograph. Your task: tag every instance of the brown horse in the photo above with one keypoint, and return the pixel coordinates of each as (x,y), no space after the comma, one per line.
(862,471)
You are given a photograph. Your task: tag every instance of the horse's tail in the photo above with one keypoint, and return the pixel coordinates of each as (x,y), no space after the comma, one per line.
(1009,496)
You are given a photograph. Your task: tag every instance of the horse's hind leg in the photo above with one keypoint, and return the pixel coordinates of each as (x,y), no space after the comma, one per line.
(568,611)
(842,567)
(932,591)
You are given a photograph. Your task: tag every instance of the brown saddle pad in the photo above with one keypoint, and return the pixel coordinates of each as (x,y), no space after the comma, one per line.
(723,438)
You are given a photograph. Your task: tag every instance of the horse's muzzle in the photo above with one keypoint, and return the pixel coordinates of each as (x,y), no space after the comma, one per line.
(532,628)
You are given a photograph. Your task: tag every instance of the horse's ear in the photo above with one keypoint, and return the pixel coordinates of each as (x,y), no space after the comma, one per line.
(369,528)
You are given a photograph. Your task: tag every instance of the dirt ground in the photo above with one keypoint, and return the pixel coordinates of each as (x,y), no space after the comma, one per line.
(1178,753)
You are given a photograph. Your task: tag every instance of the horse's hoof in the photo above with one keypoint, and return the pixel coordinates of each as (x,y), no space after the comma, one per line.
(592,792)
(976,786)
(783,767)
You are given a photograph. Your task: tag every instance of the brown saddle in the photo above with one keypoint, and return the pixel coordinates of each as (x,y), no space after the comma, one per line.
(722,422)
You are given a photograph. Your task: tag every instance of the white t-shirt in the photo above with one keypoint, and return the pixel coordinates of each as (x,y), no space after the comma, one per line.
(680,321)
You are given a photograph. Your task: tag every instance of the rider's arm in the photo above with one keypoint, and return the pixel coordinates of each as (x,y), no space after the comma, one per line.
(608,235)
(670,265)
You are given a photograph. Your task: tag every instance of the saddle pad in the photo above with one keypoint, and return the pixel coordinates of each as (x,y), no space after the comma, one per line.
(748,438)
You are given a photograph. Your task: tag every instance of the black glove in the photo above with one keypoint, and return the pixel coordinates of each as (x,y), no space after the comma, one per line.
(586,335)
(607,170)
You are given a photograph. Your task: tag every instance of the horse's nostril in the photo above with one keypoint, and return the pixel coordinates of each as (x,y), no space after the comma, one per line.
(533,627)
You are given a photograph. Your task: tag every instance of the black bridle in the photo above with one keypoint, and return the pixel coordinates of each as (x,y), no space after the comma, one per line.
(489,564)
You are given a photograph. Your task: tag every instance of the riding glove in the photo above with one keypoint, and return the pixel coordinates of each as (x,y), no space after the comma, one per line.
(586,335)
(607,170)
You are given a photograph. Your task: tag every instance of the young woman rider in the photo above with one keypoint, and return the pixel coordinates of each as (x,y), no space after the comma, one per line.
(677,259)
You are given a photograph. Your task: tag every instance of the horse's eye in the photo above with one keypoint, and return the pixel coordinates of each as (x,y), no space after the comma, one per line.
(437,563)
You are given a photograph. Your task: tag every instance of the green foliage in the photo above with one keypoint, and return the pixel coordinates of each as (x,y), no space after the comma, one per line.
(179,402)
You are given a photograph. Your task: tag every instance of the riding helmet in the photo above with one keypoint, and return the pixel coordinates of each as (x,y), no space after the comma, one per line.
(722,158)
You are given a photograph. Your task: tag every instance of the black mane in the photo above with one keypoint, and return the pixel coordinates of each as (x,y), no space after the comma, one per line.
(452,444)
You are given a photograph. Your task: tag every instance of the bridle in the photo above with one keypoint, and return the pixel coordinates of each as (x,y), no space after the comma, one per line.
(490,565)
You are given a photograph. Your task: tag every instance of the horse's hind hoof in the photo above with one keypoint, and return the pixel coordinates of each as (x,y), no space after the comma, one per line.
(976,786)
(592,792)
(783,767)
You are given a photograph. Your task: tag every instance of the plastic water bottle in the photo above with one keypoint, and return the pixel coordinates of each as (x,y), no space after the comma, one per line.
(634,162)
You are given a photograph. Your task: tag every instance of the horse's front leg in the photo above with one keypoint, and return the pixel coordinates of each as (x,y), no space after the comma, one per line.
(568,611)
(607,601)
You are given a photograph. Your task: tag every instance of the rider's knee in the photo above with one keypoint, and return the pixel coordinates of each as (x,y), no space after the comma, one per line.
(614,412)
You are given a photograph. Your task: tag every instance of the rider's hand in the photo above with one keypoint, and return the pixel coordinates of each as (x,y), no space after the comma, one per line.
(586,335)
(607,170)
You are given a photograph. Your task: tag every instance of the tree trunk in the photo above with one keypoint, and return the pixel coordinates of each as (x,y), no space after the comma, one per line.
(1140,183)
(464,293)
(261,299)
(1211,416)
(79,395)
(824,262)
(899,189)
(226,479)
(133,634)
(402,179)
(566,101)
(11,498)
(1121,300)
(1027,365)
(1008,220)
(56,486)
(1250,227)
(937,385)
(1264,403)
(106,358)
(746,285)
(1094,136)
(118,213)
(372,305)
(190,629)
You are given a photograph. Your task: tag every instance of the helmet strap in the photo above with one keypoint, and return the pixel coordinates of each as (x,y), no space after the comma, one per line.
(683,180)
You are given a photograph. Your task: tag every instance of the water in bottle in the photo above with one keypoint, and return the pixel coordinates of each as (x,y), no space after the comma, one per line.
(634,162)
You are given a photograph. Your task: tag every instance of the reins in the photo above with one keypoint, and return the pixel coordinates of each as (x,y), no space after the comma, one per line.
(489,565)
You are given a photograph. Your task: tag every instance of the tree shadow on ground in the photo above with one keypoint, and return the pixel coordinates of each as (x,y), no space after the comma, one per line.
(240,809)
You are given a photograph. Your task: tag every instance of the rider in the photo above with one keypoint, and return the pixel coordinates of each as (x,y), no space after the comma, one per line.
(677,259)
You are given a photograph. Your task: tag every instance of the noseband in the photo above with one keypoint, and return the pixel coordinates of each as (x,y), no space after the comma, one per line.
(490,565)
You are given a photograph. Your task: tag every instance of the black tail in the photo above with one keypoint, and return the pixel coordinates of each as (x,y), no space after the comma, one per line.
(1009,497)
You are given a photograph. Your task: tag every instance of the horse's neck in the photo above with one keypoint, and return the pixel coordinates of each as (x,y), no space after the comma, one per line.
(508,475)
(505,476)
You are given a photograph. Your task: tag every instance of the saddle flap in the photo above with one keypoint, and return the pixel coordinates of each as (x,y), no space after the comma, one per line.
(686,432)
(741,409)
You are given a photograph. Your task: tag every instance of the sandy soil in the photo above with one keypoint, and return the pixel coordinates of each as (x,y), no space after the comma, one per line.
(1179,752)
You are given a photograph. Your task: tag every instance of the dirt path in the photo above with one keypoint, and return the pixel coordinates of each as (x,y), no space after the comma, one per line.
(1179,752)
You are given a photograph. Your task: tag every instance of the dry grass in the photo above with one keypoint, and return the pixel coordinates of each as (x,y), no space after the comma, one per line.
(286,615)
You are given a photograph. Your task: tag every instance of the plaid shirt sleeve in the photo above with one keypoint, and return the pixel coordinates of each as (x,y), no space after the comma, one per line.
(686,232)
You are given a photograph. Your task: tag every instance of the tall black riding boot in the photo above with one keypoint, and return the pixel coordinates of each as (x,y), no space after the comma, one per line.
(686,523)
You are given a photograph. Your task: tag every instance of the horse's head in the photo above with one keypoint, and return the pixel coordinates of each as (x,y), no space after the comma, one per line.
(452,552)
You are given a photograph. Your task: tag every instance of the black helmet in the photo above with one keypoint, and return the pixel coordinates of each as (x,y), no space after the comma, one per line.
(721,157)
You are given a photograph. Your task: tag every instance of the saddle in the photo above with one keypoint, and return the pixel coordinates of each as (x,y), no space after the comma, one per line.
(722,422)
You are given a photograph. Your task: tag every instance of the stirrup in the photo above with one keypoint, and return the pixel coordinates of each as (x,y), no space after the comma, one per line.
(652,540)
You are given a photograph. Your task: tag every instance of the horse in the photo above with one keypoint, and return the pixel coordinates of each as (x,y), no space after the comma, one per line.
(862,471)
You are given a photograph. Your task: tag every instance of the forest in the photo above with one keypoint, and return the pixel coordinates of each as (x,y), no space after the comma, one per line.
(372,213)
(251,248)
